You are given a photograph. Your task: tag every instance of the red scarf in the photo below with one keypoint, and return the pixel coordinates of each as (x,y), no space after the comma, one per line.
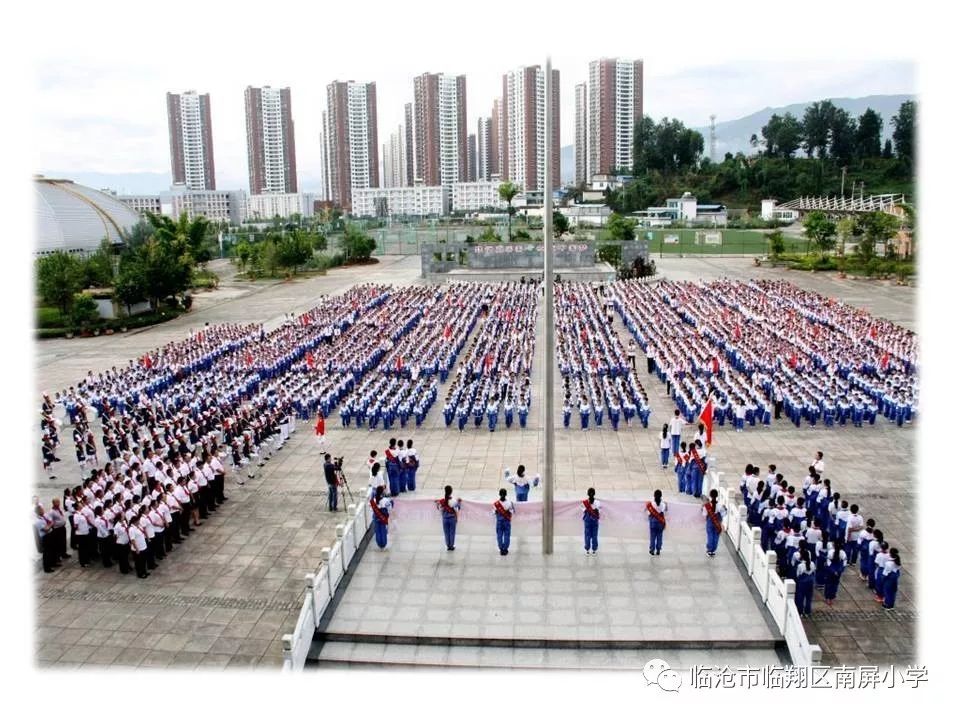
(594,513)
(714,518)
(502,511)
(381,516)
(656,514)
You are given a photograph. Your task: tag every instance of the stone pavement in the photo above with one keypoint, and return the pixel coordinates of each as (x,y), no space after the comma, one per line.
(229,593)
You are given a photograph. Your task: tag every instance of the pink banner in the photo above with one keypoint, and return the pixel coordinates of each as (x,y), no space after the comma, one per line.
(618,518)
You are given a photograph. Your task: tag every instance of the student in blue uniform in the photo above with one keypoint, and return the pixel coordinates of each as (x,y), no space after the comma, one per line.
(567,411)
(714,514)
(523,409)
(584,413)
(520,482)
(657,514)
(381,516)
(503,510)
(863,547)
(804,593)
(680,455)
(836,563)
(664,446)
(591,522)
(448,510)
(891,580)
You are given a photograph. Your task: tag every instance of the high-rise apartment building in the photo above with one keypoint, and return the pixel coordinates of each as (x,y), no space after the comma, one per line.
(271,152)
(191,140)
(471,158)
(614,105)
(580,134)
(394,160)
(522,141)
(352,154)
(440,129)
(409,159)
(483,148)
(496,132)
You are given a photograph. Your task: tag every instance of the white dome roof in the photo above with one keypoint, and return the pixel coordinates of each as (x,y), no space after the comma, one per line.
(76,218)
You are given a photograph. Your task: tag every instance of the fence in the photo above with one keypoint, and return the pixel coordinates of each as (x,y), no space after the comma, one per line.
(776,593)
(321,586)
(713,241)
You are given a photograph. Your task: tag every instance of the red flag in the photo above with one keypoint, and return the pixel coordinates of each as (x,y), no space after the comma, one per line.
(488,360)
(884,361)
(320,427)
(249,359)
(304,320)
(310,360)
(873,331)
(447,331)
(793,361)
(200,336)
(737,332)
(399,363)
(706,417)
(715,365)
(147,362)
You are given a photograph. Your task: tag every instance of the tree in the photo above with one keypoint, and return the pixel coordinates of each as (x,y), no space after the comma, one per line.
(843,136)
(781,136)
(817,120)
(820,230)
(58,279)
(560,224)
(138,235)
(621,228)
(356,245)
(888,149)
(97,269)
(294,249)
(131,284)
(643,142)
(243,251)
(84,311)
(903,134)
(194,234)
(777,245)
(508,191)
(869,128)
(879,227)
(488,235)
(845,230)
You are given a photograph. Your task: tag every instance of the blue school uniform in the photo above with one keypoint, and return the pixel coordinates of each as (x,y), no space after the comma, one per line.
(591,525)
(890,584)
(832,576)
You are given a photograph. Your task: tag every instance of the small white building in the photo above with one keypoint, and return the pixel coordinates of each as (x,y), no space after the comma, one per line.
(269,205)
(416,201)
(474,196)
(684,209)
(583,214)
(770,211)
(215,205)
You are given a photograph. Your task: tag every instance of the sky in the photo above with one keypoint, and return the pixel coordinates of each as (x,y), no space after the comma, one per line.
(105,112)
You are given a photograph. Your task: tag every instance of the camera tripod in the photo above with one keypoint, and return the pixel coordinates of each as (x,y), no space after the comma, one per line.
(342,482)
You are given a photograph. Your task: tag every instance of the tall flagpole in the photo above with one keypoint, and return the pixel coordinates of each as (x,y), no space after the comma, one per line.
(549,333)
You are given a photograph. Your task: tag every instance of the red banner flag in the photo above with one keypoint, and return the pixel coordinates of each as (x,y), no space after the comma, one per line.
(706,417)
(884,361)
(793,361)
(200,336)
(147,362)
(488,360)
(304,320)
(310,360)
(249,359)
(447,331)
(737,333)
(399,364)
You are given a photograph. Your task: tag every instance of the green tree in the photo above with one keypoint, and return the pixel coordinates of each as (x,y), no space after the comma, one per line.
(820,230)
(843,136)
(879,227)
(508,191)
(869,128)
(560,224)
(58,279)
(888,149)
(138,235)
(488,235)
(131,285)
(903,133)
(356,245)
(817,121)
(294,249)
(643,143)
(782,136)
(194,234)
(846,227)
(777,245)
(167,266)
(84,311)
(97,268)
(243,251)
(621,228)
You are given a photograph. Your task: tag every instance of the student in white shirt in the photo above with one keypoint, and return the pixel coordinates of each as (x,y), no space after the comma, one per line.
(591,522)
(503,510)
(657,515)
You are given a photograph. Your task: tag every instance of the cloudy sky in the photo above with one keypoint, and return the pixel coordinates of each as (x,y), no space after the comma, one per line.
(99,95)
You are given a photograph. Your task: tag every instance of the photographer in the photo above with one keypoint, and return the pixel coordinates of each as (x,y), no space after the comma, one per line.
(330,473)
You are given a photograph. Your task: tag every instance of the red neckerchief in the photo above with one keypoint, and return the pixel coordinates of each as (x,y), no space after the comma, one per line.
(700,463)
(714,518)
(594,513)
(381,516)
(656,514)
(502,511)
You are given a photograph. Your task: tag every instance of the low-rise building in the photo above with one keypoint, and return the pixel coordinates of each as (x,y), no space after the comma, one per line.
(215,205)
(684,209)
(581,214)
(770,211)
(269,205)
(474,196)
(416,201)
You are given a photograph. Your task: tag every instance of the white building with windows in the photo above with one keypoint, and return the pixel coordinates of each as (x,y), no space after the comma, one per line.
(269,205)
(416,201)
(474,196)
(215,205)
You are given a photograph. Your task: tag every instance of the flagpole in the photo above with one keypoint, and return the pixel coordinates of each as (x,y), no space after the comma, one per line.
(548,323)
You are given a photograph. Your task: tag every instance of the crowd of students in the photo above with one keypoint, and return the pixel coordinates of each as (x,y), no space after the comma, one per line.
(817,535)
(767,348)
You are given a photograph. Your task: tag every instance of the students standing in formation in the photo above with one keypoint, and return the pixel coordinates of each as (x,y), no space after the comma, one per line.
(448,511)
(591,522)
(503,510)
(665,444)
(657,514)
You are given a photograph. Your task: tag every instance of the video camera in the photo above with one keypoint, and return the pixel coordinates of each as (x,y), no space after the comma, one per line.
(338,462)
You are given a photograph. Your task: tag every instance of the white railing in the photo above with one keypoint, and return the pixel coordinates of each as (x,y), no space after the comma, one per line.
(777,595)
(322,585)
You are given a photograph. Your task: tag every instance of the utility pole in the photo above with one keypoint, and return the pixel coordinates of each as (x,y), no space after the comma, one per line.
(843,177)
(548,323)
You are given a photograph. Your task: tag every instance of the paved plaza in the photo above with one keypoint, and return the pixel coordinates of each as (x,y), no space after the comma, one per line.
(227,595)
